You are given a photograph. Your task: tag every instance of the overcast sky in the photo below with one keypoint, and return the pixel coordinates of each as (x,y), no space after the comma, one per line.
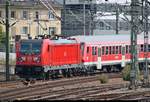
(61,1)
(108,1)
(103,1)
(113,1)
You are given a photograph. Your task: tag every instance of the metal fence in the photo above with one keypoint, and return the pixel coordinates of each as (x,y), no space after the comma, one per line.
(12,62)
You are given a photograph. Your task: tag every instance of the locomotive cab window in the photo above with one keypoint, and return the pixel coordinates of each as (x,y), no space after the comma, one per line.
(30,47)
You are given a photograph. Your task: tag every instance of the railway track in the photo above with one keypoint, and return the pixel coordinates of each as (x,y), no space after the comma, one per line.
(123,95)
(43,87)
(73,93)
(10,84)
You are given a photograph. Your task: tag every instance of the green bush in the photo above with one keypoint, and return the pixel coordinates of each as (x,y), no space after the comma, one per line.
(126,73)
(103,78)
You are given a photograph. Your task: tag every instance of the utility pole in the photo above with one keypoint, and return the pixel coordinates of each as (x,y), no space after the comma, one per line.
(64,20)
(117,19)
(84,17)
(7,40)
(93,11)
(135,15)
(146,27)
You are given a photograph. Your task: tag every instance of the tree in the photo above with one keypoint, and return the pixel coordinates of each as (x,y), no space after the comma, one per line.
(2,36)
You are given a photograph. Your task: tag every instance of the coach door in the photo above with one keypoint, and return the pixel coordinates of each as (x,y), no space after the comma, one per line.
(99,64)
(123,56)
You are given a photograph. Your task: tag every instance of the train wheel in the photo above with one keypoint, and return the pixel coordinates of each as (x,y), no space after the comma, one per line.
(88,71)
(56,72)
(73,72)
(85,71)
(108,70)
(91,71)
(47,75)
(63,72)
(52,75)
(80,72)
(68,73)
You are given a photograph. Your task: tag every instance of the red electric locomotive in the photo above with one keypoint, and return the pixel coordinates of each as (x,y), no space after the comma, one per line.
(40,58)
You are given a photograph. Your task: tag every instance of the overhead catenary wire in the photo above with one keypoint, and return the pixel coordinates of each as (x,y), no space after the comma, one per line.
(50,8)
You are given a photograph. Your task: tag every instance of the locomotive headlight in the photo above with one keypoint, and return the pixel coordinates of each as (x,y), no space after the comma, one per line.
(36,59)
(21,59)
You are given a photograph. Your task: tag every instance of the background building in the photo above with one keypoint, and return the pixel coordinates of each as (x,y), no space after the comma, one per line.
(78,17)
(32,17)
(101,17)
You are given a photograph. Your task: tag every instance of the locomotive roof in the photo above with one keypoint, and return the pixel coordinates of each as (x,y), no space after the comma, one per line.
(31,40)
(109,38)
(64,41)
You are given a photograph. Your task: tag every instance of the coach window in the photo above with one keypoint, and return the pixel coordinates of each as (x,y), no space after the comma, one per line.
(127,49)
(142,48)
(88,49)
(107,51)
(82,47)
(119,49)
(110,50)
(103,50)
(123,50)
(95,51)
(116,50)
(99,52)
(113,50)
(148,48)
